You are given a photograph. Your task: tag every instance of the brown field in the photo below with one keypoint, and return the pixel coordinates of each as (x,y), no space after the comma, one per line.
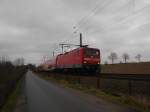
(127,68)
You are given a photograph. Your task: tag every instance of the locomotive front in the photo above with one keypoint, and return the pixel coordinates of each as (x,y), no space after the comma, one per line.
(91,59)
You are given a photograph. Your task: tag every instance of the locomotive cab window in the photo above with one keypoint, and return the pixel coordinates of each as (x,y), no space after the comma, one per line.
(91,52)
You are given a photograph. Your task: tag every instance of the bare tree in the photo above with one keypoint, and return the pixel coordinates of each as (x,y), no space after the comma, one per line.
(19,61)
(125,57)
(106,62)
(138,57)
(113,56)
(3,59)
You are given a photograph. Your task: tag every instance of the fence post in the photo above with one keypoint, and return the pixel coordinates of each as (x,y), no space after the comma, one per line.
(66,77)
(79,80)
(130,87)
(55,76)
(98,82)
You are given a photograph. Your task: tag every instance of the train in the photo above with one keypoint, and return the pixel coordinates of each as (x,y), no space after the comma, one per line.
(82,59)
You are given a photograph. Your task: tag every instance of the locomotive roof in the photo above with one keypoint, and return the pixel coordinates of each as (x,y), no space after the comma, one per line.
(78,49)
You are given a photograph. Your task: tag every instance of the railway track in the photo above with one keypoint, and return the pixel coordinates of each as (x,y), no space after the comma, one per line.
(138,77)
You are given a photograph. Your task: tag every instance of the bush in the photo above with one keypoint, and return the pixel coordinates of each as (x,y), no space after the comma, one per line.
(9,76)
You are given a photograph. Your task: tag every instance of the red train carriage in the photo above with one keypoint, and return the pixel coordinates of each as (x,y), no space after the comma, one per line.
(82,58)
(48,65)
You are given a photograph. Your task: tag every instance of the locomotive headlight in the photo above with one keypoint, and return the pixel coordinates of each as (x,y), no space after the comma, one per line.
(85,62)
(98,63)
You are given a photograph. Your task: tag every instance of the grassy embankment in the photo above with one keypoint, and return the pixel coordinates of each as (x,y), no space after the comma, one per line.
(10,77)
(12,99)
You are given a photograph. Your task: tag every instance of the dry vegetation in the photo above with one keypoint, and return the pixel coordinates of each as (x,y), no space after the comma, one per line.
(9,77)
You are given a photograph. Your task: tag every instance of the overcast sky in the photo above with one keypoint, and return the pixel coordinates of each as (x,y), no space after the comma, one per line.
(32,28)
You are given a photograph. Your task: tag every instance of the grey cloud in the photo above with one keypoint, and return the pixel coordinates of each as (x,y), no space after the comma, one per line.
(31,28)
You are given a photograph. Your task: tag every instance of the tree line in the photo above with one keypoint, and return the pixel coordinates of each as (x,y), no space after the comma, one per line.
(125,56)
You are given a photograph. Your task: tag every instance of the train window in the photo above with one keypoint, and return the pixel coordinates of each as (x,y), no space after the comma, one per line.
(91,52)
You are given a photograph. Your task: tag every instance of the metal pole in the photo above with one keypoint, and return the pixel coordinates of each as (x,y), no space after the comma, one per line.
(62,49)
(53,53)
(80,39)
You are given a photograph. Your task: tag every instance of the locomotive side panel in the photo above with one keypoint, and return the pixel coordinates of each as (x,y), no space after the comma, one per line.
(71,59)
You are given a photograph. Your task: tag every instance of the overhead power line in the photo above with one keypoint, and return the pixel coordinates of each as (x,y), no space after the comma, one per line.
(84,19)
(128,16)
(132,14)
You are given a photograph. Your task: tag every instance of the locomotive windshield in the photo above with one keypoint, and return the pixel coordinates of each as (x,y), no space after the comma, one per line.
(91,52)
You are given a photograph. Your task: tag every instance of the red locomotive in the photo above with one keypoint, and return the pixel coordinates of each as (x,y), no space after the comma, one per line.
(80,59)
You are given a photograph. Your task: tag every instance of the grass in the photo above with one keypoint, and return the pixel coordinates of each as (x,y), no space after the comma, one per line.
(12,99)
(125,100)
